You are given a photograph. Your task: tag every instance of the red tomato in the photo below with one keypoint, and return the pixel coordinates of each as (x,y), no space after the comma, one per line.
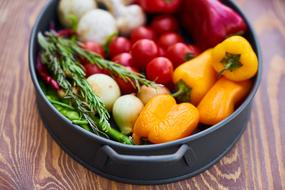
(160,70)
(169,39)
(91,69)
(142,52)
(124,59)
(94,47)
(179,53)
(126,87)
(160,6)
(164,24)
(142,33)
(119,45)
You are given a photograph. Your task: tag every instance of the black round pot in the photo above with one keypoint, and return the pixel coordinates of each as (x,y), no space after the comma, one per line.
(145,164)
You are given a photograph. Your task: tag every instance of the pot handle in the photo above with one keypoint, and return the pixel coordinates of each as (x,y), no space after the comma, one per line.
(183,152)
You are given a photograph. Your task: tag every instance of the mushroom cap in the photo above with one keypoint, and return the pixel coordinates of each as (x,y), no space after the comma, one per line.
(96,26)
(74,8)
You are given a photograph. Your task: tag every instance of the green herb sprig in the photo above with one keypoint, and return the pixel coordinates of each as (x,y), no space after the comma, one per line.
(73,47)
(61,57)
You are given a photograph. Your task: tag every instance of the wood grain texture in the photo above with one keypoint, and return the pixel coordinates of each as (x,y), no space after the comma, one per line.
(30,158)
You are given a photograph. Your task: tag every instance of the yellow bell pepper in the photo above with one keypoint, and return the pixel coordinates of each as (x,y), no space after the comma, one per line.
(194,78)
(221,100)
(162,120)
(235,59)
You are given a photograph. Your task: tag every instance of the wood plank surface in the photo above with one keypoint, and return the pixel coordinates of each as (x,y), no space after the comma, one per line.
(30,158)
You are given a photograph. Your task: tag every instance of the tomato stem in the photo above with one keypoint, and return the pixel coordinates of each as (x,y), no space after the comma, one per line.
(188,56)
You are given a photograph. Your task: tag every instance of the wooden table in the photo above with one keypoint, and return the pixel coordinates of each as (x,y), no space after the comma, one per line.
(30,158)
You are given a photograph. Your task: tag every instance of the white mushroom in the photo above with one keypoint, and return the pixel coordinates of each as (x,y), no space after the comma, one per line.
(127,17)
(96,26)
(71,11)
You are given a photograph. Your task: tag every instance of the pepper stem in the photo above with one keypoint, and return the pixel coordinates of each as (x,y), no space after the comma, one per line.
(183,93)
(231,62)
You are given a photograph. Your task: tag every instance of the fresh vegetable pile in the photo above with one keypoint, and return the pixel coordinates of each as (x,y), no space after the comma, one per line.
(159,69)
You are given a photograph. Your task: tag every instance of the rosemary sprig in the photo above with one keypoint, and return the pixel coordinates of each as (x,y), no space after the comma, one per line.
(60,69)
(136,79)
(67,71)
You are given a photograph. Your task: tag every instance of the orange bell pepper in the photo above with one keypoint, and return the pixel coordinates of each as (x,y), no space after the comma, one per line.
(194,78)
(221,100)
(235,59)
(162,120)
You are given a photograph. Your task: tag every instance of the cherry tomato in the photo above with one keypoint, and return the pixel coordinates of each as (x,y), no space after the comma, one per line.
(164,24)
(124,59)
(169,39)
(160,6)
(126,87)
(91,69)
(94,47)
(142,33)
(160,70)
(179,53)
(142,52)
(119,45)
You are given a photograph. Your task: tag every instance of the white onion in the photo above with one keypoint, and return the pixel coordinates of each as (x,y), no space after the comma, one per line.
(146,93)
(106,88)
(126,110)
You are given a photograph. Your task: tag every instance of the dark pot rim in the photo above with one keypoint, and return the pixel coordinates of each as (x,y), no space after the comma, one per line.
(246,102)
